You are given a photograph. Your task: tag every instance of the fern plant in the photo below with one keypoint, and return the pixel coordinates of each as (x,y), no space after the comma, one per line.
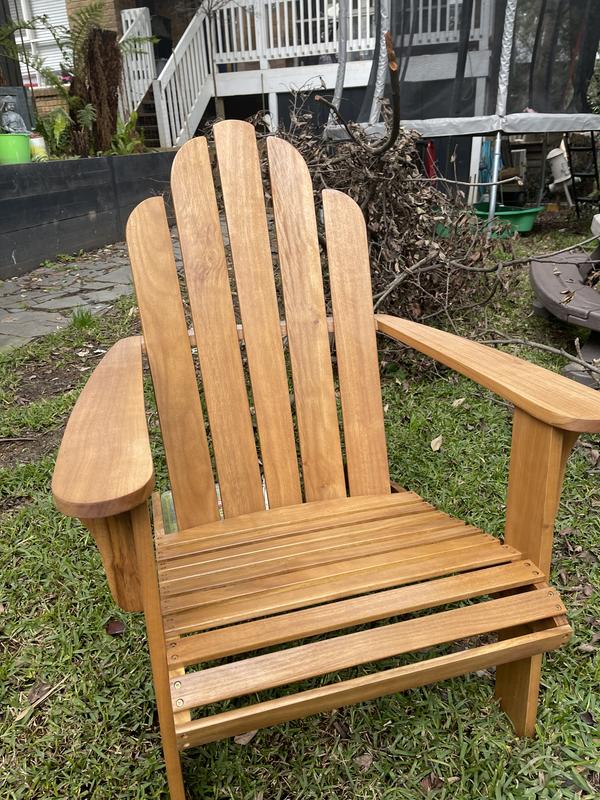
(127,140)
(75,130)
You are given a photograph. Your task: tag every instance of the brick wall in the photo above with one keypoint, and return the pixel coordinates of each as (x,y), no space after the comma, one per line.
(46,100)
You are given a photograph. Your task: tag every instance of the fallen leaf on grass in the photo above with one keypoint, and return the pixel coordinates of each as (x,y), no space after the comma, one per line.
(364,761)
(431,782)
(436,444)
(586,648)
(114,627)
(40,692)
(245,738)
(458,402)
(588,718)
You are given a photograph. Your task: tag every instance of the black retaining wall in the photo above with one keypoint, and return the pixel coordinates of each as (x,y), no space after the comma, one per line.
(55,207)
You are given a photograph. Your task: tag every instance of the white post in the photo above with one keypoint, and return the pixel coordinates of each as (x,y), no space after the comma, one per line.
(474,168)
(503,74)
(273,111)
(162,121)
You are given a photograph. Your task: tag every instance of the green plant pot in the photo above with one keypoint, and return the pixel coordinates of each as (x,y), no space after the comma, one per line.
(520,219)
(14,148)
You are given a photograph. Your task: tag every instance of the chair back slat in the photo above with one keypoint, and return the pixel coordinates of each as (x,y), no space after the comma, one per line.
(217,341)
(243,197)
(300,264)
(171,364)
(355,345)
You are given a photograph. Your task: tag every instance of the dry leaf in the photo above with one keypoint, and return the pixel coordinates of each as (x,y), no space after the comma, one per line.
(114,627)
(588,718)
(38,691)
(364,761)
(245,738)
(431,782)
(40,696)
(436,444)
(458,402)
(586,648)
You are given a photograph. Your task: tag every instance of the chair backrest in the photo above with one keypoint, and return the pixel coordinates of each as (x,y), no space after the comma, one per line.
(245,383)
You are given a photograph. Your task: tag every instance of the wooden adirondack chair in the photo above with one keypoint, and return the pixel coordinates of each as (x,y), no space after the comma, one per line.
(336,548)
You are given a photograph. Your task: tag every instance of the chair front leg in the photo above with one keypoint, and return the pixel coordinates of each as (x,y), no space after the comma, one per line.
(537,465)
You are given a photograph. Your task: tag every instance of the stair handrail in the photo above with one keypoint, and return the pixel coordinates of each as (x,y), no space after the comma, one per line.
(139,67)
(184,86)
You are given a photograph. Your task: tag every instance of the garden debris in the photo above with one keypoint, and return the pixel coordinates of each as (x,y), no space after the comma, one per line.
(245,738)
(364,761)
(115,627)
(38,694)
(427,251)
(436,444)
(431,782)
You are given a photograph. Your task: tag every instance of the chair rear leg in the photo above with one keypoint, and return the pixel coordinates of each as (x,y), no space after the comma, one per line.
(156,643)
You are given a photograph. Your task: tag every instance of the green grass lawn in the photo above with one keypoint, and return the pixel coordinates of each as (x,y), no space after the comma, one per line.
(96,735)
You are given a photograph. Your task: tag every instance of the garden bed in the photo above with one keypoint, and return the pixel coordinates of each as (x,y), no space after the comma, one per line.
(65,206)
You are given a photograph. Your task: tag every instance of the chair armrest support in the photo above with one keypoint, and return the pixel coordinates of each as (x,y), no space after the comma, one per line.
(104,465)
(538,458)
(548,397)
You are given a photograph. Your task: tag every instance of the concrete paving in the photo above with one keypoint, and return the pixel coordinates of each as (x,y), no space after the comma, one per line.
(45,299)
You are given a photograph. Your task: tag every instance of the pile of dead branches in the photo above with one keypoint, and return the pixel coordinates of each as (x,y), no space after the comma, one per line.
(429,254)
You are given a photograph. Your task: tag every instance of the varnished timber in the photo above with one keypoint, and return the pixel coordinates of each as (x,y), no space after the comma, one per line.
(305,572)
(209,291)
(300,266)
(97,475)
(292,557)
(538,458)
(156,642)
(115,541)
(341,652)
(307,575)
(355,345)
(171,365)
(548,397)
(326,698)
(254,635)
(175,670)
(278,522)
(418,518)
(244,201)
(322,584)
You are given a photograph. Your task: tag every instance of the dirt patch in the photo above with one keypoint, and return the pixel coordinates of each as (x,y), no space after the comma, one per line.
(44,379)
(15,502)
(28,447)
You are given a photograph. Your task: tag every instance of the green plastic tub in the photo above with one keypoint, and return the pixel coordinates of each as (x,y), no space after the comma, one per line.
(520,219)
(14,148)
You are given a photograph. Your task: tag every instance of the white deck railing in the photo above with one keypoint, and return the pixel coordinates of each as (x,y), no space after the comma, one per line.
(265,33)
(438,21)
(139,68)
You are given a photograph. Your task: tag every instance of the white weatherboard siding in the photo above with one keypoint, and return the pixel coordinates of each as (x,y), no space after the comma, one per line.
(40,42)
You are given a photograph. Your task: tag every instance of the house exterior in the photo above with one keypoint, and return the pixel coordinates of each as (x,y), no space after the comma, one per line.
(252,54)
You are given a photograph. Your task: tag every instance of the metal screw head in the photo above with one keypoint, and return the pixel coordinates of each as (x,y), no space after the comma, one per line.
(179,703)
(177,684)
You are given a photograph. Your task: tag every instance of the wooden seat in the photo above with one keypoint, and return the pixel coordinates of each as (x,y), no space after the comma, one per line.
(285,556)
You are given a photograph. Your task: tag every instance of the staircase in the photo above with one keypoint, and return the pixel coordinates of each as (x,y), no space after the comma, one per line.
(265,47)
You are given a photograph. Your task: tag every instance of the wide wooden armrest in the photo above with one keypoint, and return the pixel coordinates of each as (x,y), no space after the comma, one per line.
(104,465)
(548,397)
